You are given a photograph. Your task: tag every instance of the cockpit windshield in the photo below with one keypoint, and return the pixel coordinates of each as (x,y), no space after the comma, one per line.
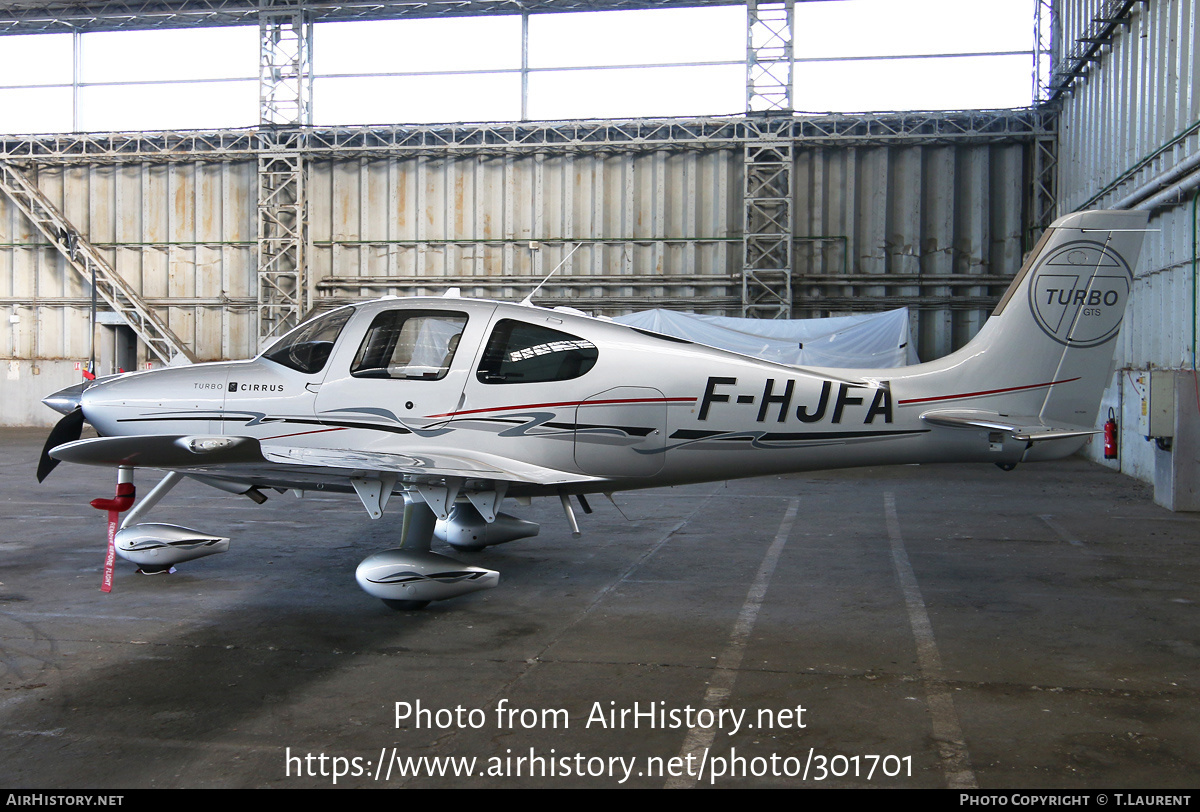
(307,348)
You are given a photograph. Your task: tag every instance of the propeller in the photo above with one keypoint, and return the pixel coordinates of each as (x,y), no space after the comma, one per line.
(67,430)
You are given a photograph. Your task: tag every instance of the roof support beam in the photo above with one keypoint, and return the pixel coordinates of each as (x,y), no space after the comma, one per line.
(767,195)
(285,109)
(769,36)
(24,17)
(550,137)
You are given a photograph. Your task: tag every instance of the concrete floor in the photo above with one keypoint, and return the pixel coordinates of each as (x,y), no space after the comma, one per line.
(948,625)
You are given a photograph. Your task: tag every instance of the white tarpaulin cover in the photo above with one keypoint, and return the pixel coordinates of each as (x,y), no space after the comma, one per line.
(865,341)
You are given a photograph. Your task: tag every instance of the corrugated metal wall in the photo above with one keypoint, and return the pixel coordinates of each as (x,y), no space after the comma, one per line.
(181,233)
(1140,96)
(876,226)
(1133,116)
(663,230)
(911,224)
(394,224)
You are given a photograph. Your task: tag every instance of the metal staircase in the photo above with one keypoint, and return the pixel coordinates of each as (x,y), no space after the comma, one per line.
(89,264)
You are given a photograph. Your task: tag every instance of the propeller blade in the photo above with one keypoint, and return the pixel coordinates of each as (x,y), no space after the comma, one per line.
(68,430)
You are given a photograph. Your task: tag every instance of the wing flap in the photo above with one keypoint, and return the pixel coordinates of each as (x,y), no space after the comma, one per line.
(419,465)
(1021,427)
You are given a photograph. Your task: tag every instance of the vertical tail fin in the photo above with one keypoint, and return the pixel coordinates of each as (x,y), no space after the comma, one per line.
(1047,350)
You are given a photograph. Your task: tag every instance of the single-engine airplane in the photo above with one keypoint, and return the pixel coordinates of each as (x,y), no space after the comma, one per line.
(456,404)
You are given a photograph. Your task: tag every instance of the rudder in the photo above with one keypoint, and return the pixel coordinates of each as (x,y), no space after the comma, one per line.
(1051,338)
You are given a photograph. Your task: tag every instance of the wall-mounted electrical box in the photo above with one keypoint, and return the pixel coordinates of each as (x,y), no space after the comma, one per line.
(1156,417)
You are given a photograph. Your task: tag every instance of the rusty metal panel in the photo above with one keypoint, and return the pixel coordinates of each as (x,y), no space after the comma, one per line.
(879,227)
(651,229)
(181,234)
(497,225)
(876,226)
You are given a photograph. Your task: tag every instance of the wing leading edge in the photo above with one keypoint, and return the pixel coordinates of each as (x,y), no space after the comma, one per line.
(234,456)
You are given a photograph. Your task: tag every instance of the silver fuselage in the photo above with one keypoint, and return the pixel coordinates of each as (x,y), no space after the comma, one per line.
(595,406)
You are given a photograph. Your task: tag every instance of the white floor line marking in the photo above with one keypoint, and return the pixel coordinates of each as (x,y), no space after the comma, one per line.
(1060,530)
(956,761)
(531,664)
(720,686)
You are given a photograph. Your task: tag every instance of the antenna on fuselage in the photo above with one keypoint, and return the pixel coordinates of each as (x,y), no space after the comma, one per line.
(528,300)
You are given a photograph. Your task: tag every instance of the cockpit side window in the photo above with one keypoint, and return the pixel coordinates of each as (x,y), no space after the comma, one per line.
(518,352)
(307,348)
(409,345)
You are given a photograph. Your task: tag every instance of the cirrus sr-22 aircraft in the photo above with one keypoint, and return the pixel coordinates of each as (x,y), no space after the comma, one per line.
(456,404)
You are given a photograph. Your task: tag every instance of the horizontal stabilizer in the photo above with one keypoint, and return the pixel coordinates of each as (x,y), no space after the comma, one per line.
(1021,427)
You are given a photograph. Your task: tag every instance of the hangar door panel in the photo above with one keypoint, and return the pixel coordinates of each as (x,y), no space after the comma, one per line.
(621,432)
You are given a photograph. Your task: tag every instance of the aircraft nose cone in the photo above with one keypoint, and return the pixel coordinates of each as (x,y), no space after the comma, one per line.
(65,401)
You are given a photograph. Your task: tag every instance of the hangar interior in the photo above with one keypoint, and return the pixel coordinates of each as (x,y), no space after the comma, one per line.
(937,625)
(203,244)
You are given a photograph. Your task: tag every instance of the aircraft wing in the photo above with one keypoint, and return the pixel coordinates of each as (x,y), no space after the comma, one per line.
(446,462)
(161,451)
(237,457)
(1021,427)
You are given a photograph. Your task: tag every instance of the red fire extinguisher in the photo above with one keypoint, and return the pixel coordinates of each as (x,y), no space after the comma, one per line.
(1110,436)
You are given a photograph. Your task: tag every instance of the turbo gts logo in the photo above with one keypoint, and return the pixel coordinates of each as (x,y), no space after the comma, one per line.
(1078,295)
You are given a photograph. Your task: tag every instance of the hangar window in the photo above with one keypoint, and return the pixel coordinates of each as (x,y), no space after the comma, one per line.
(409,345)
(519,352)
(307,348)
